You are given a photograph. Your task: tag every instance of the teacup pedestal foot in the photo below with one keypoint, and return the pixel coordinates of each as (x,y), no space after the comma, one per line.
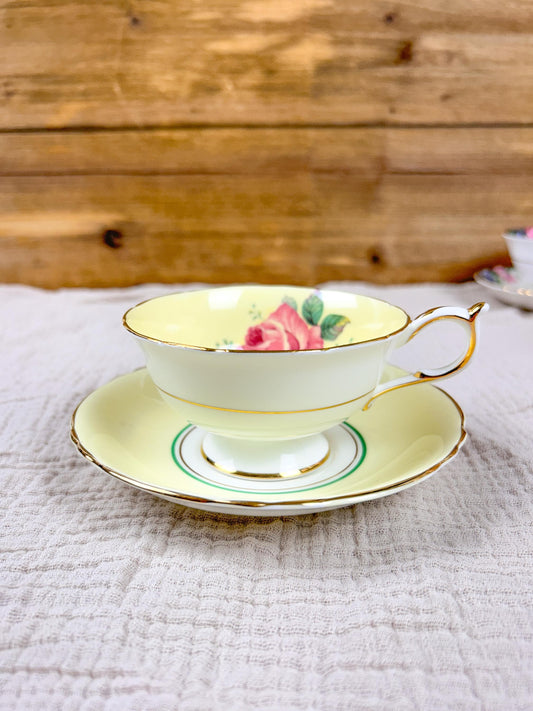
(278,459)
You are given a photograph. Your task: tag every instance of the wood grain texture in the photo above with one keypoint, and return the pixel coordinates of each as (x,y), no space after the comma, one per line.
(270,205)
(242,151)
(262,140)
(265,62)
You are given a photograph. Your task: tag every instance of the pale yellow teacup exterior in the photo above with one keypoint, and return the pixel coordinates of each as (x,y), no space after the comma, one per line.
(193,345)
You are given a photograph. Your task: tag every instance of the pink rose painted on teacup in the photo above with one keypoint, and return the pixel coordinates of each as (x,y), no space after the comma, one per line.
(283,330)
(286,330)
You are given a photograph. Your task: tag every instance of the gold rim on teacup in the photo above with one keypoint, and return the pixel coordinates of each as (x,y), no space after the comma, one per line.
(195,347)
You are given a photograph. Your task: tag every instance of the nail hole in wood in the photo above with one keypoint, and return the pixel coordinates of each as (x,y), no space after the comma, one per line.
(113,238)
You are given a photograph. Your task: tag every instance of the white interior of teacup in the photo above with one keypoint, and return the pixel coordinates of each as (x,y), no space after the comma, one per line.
(248,317)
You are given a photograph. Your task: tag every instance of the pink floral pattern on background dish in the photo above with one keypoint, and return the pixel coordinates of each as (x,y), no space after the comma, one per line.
(285,330)
(499,275)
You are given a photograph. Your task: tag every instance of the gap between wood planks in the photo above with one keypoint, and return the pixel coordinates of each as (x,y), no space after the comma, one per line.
(262,127)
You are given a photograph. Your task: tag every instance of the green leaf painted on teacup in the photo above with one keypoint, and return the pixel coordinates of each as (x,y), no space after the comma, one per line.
(312,309)
(290,302)
(332,326)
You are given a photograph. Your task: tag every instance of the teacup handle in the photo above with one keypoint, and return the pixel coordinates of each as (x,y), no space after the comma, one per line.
(468,320)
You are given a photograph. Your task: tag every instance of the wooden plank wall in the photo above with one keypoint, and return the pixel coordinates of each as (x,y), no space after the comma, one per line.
(262,140)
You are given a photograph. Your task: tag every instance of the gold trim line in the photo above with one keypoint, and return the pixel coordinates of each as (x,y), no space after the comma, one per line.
(257,475)
(263,412)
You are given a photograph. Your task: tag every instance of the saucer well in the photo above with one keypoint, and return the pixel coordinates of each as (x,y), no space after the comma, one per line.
(503,284)
(126,429)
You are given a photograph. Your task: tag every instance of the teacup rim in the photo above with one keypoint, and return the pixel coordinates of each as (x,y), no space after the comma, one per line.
(188,346)
(509,235)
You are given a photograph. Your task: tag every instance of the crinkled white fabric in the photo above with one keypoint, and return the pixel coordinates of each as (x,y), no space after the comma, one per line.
(114,600)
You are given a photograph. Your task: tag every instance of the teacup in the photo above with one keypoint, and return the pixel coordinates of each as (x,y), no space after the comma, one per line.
(520,245)
(266,370)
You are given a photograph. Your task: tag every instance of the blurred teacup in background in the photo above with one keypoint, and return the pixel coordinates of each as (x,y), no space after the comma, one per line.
(520,245)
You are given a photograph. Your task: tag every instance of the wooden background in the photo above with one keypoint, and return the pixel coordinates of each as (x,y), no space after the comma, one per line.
(262,140)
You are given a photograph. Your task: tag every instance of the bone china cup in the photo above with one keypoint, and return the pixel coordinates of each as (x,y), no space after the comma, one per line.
(265,370)
(520,245)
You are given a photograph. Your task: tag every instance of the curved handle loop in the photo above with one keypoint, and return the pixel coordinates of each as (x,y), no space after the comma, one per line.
(468,320)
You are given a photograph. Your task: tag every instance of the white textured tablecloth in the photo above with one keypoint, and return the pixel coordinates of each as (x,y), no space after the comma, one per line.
(111,599)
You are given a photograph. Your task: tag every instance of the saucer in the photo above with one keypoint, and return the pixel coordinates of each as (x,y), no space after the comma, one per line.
(126,429)
(502,282)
